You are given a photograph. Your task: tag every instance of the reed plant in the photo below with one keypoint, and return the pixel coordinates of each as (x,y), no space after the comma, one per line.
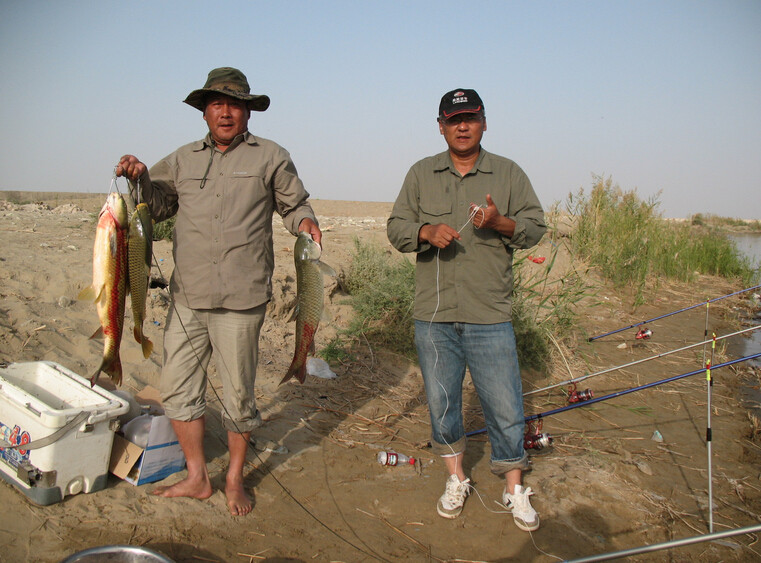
(632,245)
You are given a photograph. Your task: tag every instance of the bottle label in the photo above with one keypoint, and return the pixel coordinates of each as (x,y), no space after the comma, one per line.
(391,459)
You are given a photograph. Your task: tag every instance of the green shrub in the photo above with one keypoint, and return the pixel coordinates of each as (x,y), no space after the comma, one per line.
(382,293)
(164,229)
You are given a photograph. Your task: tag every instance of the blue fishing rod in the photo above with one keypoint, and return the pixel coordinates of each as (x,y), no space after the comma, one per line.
(539,416)
(593,338)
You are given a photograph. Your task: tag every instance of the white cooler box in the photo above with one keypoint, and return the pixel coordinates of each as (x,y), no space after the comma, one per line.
(74,424)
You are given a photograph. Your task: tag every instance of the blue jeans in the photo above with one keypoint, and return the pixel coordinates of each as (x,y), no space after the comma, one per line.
(489,352)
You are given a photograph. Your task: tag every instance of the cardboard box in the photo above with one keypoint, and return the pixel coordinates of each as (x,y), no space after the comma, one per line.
(161,457)
(46,403)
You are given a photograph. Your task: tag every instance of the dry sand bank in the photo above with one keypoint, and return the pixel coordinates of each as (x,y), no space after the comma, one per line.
(604,486)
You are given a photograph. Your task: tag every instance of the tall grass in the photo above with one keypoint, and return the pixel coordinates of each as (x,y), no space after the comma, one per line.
(632,245)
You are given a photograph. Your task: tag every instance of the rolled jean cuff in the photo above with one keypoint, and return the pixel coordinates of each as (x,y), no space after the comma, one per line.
(454,448)
(501,466)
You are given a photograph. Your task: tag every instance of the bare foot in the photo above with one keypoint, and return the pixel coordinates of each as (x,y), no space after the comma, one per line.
(238,500)
(192,488)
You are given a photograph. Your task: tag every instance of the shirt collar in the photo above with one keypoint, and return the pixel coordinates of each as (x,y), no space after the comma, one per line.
(246,137)
(443,161)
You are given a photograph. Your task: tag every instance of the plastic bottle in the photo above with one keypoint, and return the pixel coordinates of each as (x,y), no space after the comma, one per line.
(137,429)
(393,458)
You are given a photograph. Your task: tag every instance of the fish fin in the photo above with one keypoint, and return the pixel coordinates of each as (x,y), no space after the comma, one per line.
(116,372)
(113,243)
(98,334)
(299,372)
(286,377)
(90,293)
(94,376)
(327,270)
(144,341)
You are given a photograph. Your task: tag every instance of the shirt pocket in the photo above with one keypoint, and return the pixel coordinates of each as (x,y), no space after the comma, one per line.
(191,182)
(252,184)
(434,208)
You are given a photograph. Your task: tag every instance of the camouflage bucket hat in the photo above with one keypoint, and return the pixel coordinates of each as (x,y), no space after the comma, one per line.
(230,82)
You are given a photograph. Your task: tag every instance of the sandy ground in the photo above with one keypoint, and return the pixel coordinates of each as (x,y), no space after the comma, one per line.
(604,485)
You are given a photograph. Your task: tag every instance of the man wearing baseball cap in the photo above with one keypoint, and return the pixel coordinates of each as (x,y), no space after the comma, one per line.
(464,212)
(223,191)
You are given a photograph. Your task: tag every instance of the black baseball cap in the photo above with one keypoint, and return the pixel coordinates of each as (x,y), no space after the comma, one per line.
(461,100)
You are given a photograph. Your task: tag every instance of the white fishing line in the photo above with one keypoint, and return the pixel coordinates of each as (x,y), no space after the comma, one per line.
(474,210)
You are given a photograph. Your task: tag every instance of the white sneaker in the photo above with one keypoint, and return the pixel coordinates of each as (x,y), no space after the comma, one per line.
(451,502)
(524,515)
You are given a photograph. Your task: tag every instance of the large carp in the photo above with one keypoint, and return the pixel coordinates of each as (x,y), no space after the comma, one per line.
(309,297)
(109,282)
(139,254)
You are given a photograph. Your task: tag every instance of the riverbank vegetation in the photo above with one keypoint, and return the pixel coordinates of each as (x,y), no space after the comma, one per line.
(612,232)
(630,243)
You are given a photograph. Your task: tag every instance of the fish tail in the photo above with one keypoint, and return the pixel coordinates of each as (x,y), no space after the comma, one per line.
(94,376)
(112,367)
(297,370)
(143,340)
(116,371)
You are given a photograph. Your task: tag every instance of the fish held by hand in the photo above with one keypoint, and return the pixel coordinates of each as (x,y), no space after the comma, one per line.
(139,253)
(309,298)
(109,286)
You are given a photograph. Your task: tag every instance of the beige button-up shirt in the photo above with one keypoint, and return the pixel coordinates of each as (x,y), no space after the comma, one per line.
(470,281)
(224,203)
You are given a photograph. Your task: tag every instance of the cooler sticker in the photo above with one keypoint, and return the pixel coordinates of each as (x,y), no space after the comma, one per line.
(14,436)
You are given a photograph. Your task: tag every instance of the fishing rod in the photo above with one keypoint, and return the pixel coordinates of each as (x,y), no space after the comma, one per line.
(666,545)
(593,338)
(634,363)
(709,431)
(540,416)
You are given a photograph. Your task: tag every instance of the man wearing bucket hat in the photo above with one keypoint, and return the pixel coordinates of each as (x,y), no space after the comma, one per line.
(223,191)
(463,212)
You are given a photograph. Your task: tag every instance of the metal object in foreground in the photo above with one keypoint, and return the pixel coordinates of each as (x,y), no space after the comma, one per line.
(117,554)
(667,545)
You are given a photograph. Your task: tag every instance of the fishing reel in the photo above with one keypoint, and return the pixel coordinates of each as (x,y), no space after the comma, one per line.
(643,334)
(535,439)
(575,396)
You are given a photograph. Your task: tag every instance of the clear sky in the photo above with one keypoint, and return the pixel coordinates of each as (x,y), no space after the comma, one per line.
(661,96)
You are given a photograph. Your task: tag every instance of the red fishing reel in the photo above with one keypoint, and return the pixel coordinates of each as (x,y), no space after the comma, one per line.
(644,334)
(535,439)
(575,396)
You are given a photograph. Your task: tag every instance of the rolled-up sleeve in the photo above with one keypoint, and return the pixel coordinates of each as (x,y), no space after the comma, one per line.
(291,199)
(158,189)
(526,211)
(404,223)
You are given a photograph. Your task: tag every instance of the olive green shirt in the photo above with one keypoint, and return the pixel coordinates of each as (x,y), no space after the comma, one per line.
(470,281)
(222,250)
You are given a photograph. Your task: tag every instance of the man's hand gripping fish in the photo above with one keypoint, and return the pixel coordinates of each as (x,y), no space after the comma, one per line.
(109,282)
(309,295)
